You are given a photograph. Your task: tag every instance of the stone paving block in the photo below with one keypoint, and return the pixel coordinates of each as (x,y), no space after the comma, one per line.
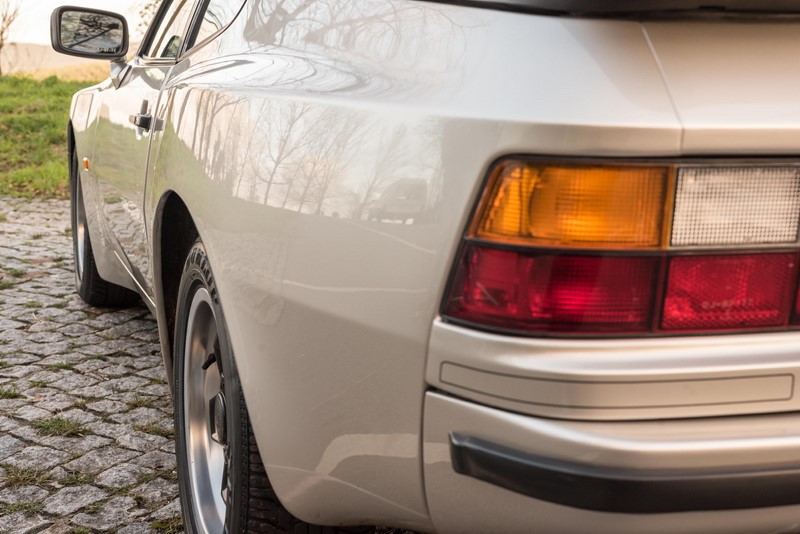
(127,383)
(9,446)
(31,413)
(23,494)
(21,523)
(122,475)
(156,491)
(55,403)
(69,360)
(118,511)
(64,380)
(159,460)
(72,499)
(7,424)
(21,371)
(19,359)
(37,458)
(99,460)
(107,406)
(9,406)
(139,416)
(80,416)
(169,511)
(142,441)
(60,527)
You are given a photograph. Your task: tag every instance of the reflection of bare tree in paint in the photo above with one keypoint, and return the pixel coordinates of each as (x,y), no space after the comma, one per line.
(374,27)
(322,164)
(285,138)
(389,156)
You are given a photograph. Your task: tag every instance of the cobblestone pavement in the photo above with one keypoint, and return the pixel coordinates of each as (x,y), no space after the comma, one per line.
(86,438)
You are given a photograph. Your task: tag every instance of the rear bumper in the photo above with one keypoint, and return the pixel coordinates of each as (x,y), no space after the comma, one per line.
(622,490)
(491,470)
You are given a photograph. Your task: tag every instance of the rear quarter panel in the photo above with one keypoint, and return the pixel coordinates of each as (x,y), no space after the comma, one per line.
(282,134)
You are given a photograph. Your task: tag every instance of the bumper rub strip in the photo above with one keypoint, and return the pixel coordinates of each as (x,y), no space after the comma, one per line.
(622,490)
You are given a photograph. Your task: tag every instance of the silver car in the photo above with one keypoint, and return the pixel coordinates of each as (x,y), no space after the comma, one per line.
(468,267)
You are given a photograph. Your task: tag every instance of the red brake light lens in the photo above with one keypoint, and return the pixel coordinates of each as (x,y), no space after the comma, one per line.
(554,293)
(730,291)
(630,248)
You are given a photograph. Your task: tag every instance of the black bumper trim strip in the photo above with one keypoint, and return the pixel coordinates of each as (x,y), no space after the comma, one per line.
(620,490)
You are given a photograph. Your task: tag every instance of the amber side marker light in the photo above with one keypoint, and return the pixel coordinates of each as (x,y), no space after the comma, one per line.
(571,205)
(590,249)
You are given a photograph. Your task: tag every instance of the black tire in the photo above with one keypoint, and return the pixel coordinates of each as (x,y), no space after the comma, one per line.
(90,285)
(252,506)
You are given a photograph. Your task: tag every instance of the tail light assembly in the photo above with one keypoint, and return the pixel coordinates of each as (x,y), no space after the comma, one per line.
(631,249)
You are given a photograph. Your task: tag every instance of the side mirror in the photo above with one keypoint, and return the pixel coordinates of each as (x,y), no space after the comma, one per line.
(90,33)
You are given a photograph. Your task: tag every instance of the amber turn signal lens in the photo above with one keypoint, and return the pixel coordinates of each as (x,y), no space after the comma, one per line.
(565,205)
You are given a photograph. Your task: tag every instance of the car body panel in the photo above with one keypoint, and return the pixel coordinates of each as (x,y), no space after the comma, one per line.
(732,84)
(464,505)
(279,135)
(121,166)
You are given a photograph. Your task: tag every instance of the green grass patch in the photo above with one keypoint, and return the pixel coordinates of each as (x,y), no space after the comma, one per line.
(76,479)
(5,284)
(24,476)
(30,508)
(9,393)
(154,429)
(33,142)
(144,478)
(168,526)
(16,273)
(58,426)
(61,366)
(38,383)
(32,304)
(141,402)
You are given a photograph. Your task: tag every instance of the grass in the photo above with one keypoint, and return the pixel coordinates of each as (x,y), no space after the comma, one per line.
(61,366)
(33,144)
(155,430)
(16,477)
(30,508)
(144,478)
(9,393)
(76,479)
(38,383)
(58,426)
(141,402)
(168,526)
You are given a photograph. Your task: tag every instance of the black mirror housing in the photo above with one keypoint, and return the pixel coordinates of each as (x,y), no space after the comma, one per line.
(89,33)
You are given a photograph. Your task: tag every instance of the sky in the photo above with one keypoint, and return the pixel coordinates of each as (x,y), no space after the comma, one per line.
(33,24)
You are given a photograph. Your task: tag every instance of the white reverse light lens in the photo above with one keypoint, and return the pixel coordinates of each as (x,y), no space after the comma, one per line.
(736,206)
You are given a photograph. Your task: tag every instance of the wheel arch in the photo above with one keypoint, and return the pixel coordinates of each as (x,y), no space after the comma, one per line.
(174,231)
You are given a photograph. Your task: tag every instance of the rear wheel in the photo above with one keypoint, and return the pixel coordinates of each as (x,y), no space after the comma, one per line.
(223,484)
(90,285)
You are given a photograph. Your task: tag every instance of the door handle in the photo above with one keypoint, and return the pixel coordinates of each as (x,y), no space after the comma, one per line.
(142,119)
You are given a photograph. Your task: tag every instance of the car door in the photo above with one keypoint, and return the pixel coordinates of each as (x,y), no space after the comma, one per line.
(127,119)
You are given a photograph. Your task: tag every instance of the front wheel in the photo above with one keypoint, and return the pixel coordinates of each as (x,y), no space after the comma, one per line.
(90,285)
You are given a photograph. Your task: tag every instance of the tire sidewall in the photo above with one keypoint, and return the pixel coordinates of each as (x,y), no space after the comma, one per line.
(73,195)
(196,275)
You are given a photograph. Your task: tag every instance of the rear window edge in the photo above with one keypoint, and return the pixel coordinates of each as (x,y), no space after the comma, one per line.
(633,10)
